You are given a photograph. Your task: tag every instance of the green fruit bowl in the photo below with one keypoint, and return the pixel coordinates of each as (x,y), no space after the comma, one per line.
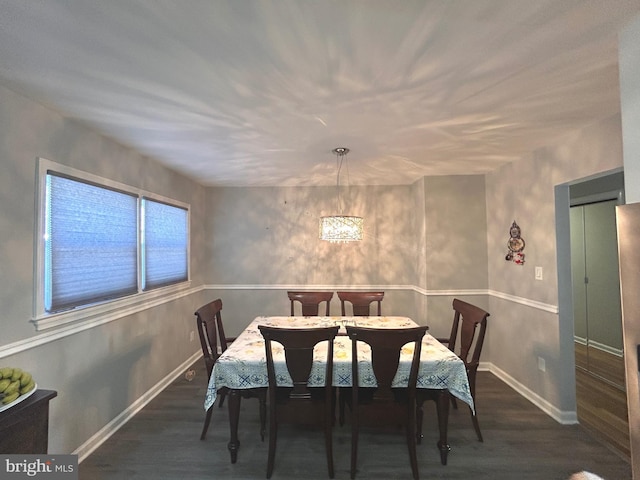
(19,399)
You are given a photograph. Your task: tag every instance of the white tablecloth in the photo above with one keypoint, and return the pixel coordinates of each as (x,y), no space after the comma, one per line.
(244,363)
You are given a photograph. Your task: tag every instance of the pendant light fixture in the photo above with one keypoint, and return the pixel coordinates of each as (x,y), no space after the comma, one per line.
(341,228)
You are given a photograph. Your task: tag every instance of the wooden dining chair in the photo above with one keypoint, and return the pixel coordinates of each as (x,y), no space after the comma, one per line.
(386,346)
(298,345)
(210,331)
(310,302)
(469,327)
(360,302)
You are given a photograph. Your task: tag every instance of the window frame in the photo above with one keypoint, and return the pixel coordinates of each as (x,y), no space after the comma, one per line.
(104,310)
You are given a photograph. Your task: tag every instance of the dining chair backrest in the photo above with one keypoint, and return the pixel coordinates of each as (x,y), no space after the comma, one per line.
(210,331)
(209,323)
(469,327)
(298,345)
(361,302)
(386,348)
(310,302)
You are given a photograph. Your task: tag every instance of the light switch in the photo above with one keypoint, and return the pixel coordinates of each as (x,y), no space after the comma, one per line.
(538,273)
(541,364)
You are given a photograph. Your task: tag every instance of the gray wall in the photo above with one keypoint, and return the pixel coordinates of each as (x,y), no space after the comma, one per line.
(265,241)
(455,247)
(101,371)
(524,326)
(270,236)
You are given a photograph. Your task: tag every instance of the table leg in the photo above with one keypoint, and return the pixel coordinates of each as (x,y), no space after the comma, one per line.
(234,416)
(442,406)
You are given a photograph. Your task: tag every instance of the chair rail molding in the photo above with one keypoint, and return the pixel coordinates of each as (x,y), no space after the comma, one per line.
(427,293)
(91,317)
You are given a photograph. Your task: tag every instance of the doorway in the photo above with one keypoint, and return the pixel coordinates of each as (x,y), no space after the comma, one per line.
(599,363)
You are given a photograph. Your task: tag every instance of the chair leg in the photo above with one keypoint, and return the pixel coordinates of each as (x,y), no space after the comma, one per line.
(207,420)
(273,437)
(263,415)
(474,417)
(335,393)
(442,409)
(354,440)
(476,425)
(419,418)
(328,437)
(411,441)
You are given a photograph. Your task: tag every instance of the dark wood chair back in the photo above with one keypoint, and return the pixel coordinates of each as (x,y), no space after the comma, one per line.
(361,302)
(298,347)
(210,331)
(386,347)
(310,302)
(466,340)
(209,323)
(471,324)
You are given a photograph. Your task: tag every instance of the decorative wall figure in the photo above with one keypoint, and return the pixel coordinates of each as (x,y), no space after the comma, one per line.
(515,245)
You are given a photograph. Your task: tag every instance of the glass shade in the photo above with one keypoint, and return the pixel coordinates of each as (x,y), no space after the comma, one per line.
(341,228)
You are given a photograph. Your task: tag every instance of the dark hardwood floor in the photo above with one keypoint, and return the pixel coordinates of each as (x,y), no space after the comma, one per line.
(520,442)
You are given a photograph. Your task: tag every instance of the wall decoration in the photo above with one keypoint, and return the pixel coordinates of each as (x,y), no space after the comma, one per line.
(515,245)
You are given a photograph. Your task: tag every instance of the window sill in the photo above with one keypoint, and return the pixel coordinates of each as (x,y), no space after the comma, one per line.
(105,312)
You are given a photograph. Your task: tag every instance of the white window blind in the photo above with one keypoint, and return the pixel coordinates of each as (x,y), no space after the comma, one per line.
(90,244)
(164,244)
(104,244)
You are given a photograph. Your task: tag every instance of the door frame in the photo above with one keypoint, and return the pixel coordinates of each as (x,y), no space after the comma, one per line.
(565,282)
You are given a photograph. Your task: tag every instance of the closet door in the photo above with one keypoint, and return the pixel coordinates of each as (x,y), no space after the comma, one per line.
(598,318)
(578,272)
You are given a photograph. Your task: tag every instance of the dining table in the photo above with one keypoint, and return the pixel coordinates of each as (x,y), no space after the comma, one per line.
(242,368)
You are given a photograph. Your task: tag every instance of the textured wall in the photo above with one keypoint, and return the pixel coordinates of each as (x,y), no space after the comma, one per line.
(430,235)
(419,219)
(455,247)
(519,334)
(270,236)
(456,237)
(101,371)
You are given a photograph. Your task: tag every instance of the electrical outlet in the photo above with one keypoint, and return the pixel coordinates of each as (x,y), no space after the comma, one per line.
(538,273)
(192,336)
(541,365)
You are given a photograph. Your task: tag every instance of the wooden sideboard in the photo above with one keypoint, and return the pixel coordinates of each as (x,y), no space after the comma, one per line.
(24,428)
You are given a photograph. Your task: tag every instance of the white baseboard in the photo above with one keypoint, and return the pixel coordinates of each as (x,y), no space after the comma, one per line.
(88,447)
(566,417)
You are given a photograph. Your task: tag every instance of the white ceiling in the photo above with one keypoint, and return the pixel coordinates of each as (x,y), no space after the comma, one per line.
(248,92)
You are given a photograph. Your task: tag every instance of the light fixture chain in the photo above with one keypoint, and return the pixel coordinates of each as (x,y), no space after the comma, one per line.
(339,160)
(341,153)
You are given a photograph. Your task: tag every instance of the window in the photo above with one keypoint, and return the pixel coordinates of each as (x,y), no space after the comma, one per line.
(165,244)
(101,240)
(90,242)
